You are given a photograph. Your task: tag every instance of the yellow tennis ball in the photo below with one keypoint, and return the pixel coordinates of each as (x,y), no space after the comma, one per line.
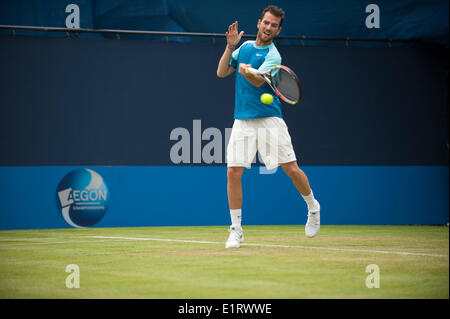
(266,98)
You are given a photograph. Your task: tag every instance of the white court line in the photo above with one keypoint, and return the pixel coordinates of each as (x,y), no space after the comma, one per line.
(25,239)
(276,246)
(59,242)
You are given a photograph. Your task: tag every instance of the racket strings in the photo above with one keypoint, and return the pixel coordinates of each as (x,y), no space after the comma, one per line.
(286,84)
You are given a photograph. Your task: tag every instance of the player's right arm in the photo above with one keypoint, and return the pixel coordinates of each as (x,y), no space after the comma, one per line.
(233,37)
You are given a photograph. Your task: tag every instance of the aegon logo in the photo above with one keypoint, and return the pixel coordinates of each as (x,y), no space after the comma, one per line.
(85,195)
(82,198)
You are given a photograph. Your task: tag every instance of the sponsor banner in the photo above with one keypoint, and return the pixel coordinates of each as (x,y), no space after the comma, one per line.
(35,197)
(82,198)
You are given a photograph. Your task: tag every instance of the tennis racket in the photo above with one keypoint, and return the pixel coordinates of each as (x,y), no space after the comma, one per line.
(283,81)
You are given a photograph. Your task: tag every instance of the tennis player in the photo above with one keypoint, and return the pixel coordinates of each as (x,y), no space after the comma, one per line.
(252,118)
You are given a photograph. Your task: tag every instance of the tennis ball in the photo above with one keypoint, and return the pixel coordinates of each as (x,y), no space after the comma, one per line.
(266,98)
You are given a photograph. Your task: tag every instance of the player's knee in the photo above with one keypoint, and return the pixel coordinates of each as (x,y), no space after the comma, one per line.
(292,170)
(234,174)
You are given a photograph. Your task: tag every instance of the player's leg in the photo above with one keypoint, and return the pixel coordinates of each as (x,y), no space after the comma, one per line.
(301,182)
(285,157)
(240,152)
(234,190)
(298,177)
(234,187)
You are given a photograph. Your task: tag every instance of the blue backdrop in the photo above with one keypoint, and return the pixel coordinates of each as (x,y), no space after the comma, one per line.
(406,19)
(371,133)
(176,196)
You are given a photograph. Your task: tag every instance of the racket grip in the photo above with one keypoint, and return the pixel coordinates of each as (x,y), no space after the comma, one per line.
(253,71)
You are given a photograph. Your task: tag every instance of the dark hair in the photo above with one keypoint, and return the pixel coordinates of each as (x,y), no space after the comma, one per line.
(278,12)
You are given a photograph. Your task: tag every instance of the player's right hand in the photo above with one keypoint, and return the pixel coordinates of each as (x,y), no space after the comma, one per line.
(243,68)
(233,37)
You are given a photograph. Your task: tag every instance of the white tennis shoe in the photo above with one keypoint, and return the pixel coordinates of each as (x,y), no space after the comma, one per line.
(236,237)
(313,224)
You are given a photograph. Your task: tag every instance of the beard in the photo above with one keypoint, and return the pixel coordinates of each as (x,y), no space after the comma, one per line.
(264,38)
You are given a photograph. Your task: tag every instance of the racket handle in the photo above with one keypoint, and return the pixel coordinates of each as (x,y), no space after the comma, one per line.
(254,71)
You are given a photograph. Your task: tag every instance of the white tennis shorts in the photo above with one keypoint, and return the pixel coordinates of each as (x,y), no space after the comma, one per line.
(269,136)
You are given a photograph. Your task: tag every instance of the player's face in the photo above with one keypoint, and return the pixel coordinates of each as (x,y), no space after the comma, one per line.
(268,28)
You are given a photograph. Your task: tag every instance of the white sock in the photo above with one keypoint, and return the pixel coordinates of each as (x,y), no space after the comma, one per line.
(311,202)
(235,217)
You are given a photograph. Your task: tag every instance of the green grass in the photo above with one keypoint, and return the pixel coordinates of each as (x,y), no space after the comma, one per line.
(332,265)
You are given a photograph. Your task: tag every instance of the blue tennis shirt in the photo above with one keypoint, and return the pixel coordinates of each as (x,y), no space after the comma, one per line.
(247,96)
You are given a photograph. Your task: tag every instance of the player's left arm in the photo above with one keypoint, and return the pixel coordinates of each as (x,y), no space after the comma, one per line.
(254,79)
